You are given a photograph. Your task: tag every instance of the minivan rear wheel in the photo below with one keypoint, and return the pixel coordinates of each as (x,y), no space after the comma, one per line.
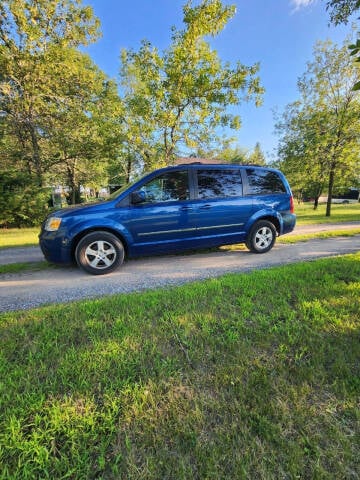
(262,237)
(99,253)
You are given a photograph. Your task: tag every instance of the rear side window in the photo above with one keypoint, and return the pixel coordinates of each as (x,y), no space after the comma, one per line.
(219,183)
(263,182)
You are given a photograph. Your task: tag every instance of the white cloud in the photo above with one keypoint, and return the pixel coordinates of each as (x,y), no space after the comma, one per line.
(301,3)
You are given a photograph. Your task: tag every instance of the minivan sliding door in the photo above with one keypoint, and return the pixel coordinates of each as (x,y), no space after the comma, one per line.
(221,209)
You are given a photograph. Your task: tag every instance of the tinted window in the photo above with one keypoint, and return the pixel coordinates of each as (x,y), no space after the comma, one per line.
(264,182)
(219,183)
(168,187)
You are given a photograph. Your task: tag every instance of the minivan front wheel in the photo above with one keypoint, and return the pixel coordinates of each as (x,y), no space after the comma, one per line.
(262,237)
(99,253)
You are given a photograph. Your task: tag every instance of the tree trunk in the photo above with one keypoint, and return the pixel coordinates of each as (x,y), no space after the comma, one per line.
(128,169)
(317,196)
(36,158)
(330,192)
(167,148)
(72,183)
(78,193)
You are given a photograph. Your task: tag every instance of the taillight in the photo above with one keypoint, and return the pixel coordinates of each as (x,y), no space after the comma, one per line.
(292,209)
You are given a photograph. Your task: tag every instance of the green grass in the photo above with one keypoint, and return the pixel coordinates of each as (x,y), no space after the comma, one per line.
(250,376)
(306,215)
(23,267)
(328,234)
(19,237)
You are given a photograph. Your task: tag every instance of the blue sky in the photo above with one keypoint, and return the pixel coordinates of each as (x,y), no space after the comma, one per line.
(279,34)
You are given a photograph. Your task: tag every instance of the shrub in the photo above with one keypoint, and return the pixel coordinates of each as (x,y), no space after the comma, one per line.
(22,202)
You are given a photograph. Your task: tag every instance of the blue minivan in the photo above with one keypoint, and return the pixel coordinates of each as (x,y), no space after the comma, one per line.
(172,209)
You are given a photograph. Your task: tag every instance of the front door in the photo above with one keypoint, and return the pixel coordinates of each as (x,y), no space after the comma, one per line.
(166,217)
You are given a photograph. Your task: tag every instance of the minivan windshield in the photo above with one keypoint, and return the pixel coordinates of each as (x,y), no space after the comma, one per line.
(120,190)
(125,187)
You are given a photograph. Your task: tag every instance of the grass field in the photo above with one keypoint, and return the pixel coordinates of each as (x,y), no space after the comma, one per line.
(327,234)
(250,376)
(19,237)
(306,215)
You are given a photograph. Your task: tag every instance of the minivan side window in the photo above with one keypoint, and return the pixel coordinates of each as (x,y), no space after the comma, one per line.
(219,183)
(169,187)
(262,182)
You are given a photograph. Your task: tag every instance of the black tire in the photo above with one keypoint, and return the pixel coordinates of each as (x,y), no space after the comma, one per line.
(99,253)
(262,237)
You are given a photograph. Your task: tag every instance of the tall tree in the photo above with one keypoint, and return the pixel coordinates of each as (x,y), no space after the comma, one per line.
(86,127)
(320,132)
(302,150)
(227,150)
(340,11)
(257,157)
(180,97)
(35,38)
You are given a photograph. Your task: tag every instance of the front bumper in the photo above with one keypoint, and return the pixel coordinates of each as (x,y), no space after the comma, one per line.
(55,247)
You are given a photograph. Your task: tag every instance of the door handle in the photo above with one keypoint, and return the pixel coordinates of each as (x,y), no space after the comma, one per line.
(185,209)
(205,207)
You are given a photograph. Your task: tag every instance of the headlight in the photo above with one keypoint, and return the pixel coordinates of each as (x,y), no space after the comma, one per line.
(52,224)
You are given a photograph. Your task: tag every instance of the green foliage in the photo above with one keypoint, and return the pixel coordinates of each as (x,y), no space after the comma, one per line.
(355,51)
(56,103)
(179,98)
(319,147)
(85,131)
(22,202)
(226,150)
(257,157)
(244,376)
(341,10)
(30,26)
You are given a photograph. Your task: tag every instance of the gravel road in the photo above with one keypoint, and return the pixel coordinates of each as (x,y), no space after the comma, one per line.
(34,288)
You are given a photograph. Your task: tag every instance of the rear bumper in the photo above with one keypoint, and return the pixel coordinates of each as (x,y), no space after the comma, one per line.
(289,222)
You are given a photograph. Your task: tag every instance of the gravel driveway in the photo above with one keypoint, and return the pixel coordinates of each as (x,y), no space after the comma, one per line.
(34,288)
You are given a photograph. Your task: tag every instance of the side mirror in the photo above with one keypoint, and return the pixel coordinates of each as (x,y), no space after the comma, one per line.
(138,197)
